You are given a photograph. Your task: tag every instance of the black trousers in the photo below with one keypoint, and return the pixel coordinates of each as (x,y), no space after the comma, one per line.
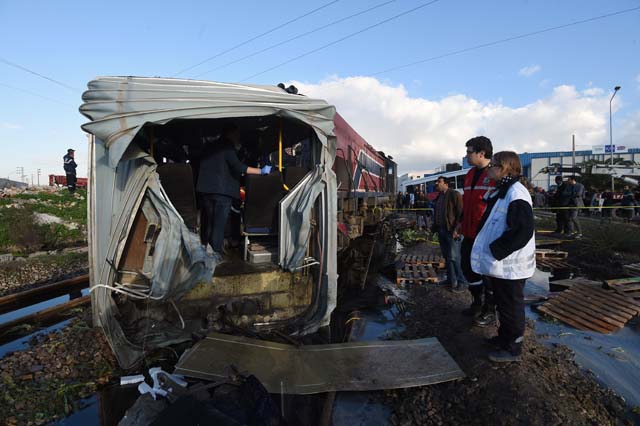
(562,221)
(465,254)
(509,298)
(481,293)
(216,209)
(71,182)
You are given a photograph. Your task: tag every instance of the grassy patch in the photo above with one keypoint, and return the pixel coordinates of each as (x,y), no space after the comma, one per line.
(20,234)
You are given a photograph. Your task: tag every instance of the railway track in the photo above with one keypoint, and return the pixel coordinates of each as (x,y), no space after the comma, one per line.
(17,327)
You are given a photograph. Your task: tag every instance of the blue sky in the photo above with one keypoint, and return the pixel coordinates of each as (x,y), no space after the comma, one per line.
(533,83)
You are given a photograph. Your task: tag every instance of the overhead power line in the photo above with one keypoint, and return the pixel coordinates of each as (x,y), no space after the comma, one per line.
(256,37)
(25,69)
(341,39)
(36,94)
(505,40)
(315,30)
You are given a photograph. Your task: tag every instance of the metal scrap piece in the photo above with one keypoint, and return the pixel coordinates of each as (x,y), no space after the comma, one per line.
(354,366)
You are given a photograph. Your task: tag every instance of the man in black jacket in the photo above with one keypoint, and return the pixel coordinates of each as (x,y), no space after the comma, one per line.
(70,170)
(561,199)
(219,183)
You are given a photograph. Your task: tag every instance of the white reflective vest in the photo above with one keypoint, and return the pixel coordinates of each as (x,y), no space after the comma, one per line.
(519,264)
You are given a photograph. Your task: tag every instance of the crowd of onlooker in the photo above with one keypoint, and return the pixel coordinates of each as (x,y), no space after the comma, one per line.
(568,194)
(572,193)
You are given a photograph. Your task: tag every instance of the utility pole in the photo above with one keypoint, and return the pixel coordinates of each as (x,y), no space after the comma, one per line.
(573,150)
(20,171)
(615,90)
(39,171)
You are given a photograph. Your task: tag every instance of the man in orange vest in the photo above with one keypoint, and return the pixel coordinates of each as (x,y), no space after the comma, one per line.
(476,185)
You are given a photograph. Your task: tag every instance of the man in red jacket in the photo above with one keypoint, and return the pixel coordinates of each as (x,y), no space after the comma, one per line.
(476,185)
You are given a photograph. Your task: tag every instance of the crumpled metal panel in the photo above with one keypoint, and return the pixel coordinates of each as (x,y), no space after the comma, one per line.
(355,366)
(179,261)
(119,106)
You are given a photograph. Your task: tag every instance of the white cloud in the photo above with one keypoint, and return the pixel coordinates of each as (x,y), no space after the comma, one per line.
(529,71)
(423,133)
(593,91)
(10,126)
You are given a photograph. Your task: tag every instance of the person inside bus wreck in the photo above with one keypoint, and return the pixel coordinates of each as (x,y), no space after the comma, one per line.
(219,184)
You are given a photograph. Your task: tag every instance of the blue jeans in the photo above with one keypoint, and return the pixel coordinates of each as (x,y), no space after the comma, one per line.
(451,252)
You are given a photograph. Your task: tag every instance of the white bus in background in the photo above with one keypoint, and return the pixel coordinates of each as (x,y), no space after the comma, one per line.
(427,183)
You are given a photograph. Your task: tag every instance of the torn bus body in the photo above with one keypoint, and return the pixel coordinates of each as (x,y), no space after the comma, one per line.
(152,281)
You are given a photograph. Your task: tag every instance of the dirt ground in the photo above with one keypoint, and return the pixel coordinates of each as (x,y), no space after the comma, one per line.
(546,388)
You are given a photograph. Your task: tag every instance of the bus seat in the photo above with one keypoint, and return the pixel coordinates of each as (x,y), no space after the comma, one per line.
(262,196)
(177,181)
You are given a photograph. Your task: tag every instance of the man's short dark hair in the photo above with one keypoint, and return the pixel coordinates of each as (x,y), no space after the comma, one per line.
(444,179)
(573,177)
(481,143)
(558,178)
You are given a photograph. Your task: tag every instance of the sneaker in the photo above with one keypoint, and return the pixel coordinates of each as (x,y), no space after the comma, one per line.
(444,283)
(486,319)
(472,311)
(504,356)
(577,236)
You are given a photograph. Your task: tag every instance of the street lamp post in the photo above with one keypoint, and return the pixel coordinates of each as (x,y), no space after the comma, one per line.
(615,90)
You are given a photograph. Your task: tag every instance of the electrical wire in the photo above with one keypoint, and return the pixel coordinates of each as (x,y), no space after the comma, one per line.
(25,69)
(179,315)
(315,30)
(348,36)
(36,94)
(505,40)
(255,37)
(126,291)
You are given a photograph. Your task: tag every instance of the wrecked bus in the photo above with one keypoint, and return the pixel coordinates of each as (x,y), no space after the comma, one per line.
(153,283)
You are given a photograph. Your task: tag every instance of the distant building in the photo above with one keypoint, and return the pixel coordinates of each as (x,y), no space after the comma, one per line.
(532,162)
(406,178)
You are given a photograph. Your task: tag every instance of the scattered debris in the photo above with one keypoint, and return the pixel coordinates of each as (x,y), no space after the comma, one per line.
(633,270)
(131,380)
(551,254)
(592,308)
(551,264)
(628,286)
(416,274)
(561,285)
(312,369)
(425,259)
